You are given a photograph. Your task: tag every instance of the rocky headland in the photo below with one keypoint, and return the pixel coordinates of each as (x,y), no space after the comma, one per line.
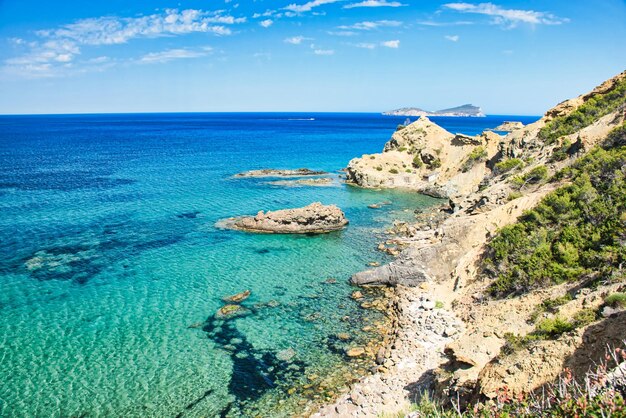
(428,159)
(467,329)
(312,219)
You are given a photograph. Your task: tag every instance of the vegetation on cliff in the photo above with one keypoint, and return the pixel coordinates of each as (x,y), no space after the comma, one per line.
(595,107)
(576,232)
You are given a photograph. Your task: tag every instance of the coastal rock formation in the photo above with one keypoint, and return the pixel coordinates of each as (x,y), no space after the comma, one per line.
(272,172)
(425,157)
(312,219)
(509,126)
(444,263)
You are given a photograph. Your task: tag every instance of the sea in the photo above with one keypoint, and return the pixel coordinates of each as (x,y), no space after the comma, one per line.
(112,268)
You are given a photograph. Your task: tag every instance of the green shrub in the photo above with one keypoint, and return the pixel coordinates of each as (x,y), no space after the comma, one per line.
(617,137)
(378,168)
(417,161)
(584,317)
(549,305)
(561,152)
(408,170)
(536,175)
(436,163)
(478,154)
(402,149)
(438,304)
(400,127)
(616,300)
(393,170)
(514,195)
(372,157)
(553,327)
(508,165)
(575,230)
(589,112)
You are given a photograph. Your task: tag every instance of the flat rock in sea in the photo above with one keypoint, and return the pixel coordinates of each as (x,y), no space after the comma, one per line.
(312,219)
(318,182)
(272,172)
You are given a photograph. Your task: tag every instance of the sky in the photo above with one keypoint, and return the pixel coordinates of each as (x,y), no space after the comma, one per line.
(508,57)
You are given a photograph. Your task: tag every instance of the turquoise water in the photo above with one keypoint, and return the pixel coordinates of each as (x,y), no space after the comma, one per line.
(109,254)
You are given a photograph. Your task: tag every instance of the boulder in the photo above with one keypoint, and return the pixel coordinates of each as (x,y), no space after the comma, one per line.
(400,272)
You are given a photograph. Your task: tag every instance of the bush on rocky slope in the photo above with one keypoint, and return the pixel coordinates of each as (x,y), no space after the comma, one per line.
(577,231)
(594,108)
(600,395)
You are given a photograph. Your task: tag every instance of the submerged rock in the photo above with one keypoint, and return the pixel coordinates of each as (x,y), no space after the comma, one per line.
(239,297)
(355,352)
(272,172)
(286,355)
(312,219)
(229,311)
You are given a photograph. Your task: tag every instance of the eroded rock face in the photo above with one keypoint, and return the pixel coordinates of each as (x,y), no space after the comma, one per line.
(312,219)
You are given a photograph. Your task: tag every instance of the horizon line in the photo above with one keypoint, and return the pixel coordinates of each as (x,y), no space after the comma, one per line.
(246,112)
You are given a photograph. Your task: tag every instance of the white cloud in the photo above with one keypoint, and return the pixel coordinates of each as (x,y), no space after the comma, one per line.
(306,7)
(173,54)
(365,45)
(262,55)
(115,30)
(266,23)
(391,44)
(297,40)
(433,23)
(343,33)
(374,3)
(371,25)
(507,17)
(57,48)
(453,38)
(324,51)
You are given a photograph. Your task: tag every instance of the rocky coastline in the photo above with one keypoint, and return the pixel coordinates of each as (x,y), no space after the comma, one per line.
(448,336)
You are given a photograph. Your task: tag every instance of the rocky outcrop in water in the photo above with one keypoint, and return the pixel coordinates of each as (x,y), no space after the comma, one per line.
(273,172)
(312,219)
(308,182)
(509,126)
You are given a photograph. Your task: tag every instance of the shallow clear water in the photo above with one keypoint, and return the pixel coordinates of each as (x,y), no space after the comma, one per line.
(109,253)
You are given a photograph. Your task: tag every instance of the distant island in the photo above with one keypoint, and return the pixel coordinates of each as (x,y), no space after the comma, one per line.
(463,110)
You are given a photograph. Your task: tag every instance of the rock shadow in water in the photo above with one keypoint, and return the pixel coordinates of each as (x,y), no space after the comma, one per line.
(254,371)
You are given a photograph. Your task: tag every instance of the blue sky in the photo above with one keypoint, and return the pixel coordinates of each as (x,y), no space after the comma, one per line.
(509,57)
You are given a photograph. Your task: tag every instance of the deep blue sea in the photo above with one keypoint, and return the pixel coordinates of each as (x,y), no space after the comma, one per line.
(109,253)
